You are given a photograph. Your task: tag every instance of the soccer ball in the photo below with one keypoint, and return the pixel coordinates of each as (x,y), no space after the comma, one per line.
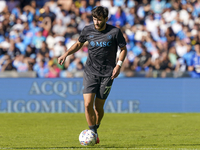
(87,138)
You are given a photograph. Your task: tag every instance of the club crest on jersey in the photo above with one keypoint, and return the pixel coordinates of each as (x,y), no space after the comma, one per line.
(100,44)
(91,36)
(109,37)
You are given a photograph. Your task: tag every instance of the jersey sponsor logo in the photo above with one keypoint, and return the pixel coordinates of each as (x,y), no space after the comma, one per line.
(92,43)
(100,44)
(107,90)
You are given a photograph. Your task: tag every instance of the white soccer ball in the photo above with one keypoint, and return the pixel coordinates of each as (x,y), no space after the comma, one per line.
(87,138)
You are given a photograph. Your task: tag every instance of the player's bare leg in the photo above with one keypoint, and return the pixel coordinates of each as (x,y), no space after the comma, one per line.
(89,110)
(90,113)
(99,111)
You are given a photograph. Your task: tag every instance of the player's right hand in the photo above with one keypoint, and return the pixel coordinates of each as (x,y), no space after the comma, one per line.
(61,59)
(115,72)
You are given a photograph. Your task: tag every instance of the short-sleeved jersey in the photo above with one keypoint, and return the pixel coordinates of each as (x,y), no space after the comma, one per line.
(102,49)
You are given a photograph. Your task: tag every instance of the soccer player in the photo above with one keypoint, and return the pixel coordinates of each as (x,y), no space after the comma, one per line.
(100,68)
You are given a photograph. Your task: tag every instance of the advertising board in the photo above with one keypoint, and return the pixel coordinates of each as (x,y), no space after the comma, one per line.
(128,95)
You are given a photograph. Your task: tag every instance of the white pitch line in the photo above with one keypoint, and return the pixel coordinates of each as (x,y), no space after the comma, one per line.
(7,148)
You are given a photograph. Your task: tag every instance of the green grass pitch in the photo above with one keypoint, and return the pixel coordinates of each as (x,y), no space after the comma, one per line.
(44,131)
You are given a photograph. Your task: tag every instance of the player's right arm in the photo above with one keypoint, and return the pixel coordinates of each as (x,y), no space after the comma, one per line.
(74,48)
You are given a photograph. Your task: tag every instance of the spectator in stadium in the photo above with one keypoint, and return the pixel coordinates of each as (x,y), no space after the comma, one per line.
(64,16)
(170,37)
(20,63)
(41,68)
(90,6)
(54,71)
(59,47)
(72,27)
(47,13)
(188,56)
(38,38)
(143,61)
(130,17)
(161,40)
(151,24)
(83,6)
(4,46)
(52,4)
(59,28)
(13,51)
(165,64)
(12,4)
(194,66)
(30,54)
(142,10)
(46,25)
(84,22)
(119,18)
(33,9)
(158,6)
(173,58)
(20,45)
(16,12)
(44,51)
(6,64)
(137,49)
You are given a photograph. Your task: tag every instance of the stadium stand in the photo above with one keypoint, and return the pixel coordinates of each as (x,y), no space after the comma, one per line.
(162,36)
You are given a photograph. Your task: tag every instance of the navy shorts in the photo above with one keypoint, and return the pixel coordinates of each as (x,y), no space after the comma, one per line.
(95,84)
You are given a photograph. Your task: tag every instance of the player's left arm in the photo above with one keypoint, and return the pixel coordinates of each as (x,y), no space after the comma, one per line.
(117,68)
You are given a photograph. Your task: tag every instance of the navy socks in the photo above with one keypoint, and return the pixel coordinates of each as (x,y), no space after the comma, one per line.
(93,128)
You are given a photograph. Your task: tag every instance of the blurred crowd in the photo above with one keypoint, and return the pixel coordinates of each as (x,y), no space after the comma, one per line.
(161,35)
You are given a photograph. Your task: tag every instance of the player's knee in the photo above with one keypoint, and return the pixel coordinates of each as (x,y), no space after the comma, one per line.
(88,105)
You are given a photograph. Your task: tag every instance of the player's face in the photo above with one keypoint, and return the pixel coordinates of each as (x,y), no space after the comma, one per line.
(99,23)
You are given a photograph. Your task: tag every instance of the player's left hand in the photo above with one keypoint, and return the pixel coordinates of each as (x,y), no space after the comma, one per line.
(116,72)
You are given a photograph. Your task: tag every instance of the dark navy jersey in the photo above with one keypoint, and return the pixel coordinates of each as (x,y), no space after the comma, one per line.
(102,48)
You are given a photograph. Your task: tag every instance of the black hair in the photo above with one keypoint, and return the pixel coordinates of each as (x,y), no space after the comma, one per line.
(100,11)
